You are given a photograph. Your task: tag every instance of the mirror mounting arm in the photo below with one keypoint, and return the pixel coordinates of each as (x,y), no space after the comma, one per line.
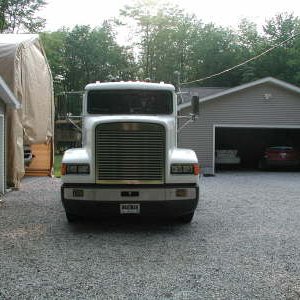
(194,115)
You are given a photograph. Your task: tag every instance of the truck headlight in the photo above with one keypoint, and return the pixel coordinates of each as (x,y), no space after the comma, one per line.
(83,169)
(75,169)
(185,169)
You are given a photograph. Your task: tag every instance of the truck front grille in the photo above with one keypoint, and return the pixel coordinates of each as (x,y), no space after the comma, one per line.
(130,153)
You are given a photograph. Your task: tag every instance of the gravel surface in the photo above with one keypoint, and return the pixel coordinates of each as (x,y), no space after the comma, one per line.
(243,243)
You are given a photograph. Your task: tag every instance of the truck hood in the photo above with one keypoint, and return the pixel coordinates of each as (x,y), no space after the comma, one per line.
(90,122)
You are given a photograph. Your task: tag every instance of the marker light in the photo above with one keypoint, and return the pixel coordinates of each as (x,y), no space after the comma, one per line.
(185,169)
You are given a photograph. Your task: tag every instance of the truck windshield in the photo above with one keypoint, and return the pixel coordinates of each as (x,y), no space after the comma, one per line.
(147,102)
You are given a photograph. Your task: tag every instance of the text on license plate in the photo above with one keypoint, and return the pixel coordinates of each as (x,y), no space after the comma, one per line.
(129,208)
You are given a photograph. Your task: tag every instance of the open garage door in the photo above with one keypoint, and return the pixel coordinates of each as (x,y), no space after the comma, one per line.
(242,147)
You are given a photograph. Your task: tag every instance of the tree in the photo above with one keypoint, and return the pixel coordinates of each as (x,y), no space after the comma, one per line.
(281,27)
(164,32)
(54,45)
(20,15)
(173,41)
(93,54)
(167,42)
(215,49)
(250,43)
(283,62)
(83,55)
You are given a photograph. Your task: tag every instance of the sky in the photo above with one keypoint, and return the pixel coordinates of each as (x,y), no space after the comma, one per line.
(68,13)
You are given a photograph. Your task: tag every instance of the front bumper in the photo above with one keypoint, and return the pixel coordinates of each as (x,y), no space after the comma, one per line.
(160,201)
(283,163)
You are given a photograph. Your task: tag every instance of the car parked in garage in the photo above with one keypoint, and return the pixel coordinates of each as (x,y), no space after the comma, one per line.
(280,157)
(229,157)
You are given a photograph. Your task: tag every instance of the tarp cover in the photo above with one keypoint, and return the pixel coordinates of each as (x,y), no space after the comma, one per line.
(24,67)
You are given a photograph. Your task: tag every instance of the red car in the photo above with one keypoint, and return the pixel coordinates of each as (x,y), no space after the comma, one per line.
(280,156)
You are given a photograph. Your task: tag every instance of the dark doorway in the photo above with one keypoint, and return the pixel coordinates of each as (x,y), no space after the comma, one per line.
(251,143)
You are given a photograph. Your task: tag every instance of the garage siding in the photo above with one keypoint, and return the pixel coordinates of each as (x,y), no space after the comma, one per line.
(262,105)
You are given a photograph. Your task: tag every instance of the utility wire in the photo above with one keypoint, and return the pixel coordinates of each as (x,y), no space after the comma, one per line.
(243,63)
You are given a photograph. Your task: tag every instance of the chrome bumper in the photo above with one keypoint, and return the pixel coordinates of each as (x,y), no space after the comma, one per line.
(89,200)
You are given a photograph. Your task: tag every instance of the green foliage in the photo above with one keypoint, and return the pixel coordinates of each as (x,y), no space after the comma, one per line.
(214,50)
(282,63)
(281,27)
(83,55)
(19,15)
(57,165)
(165,32)
(54,44)
(169,42)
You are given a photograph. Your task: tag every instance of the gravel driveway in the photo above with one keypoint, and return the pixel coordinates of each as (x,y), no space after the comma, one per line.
(244,243)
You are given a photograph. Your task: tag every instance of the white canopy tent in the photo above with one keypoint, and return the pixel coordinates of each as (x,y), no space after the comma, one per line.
(24,67)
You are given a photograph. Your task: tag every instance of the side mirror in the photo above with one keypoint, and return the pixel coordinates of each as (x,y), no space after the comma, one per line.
(195,105)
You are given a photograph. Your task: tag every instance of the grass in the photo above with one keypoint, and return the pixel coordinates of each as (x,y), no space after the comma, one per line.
(57,162)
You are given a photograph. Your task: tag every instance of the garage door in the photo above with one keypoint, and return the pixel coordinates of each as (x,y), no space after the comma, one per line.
(2,166)
(249,144)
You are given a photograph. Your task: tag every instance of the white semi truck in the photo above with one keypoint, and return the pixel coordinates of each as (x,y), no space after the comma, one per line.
(129,162)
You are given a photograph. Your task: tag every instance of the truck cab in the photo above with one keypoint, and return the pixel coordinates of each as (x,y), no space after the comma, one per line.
(129,163)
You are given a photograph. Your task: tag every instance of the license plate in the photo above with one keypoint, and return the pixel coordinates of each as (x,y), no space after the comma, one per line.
(129,208)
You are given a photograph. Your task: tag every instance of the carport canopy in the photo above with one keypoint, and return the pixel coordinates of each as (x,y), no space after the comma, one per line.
(7,96)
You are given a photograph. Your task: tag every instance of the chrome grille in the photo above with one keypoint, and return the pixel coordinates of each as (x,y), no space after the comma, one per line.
(130,152)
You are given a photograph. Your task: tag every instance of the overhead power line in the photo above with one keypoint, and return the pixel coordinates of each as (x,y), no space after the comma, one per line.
(243,63)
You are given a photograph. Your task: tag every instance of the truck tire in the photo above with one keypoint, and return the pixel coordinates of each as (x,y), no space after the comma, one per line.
(71,218)
(186,218)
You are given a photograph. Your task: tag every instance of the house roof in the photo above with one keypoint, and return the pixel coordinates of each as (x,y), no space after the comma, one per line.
(7,96)
(271,80)
(201,92)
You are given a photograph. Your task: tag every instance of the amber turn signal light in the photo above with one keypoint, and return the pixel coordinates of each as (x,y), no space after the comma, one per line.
(196,169)
(63,169)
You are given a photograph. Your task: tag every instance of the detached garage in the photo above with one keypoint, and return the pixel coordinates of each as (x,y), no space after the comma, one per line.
(241,122)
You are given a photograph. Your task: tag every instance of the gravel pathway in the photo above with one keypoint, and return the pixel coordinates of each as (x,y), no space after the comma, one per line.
(243,243)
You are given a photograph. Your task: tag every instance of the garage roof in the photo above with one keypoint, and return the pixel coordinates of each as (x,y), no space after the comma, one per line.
(7,96)
(272,80)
